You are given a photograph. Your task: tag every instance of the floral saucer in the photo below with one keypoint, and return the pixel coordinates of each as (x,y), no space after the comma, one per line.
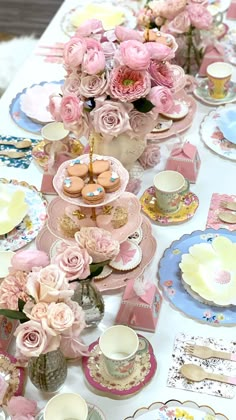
(201,92)
(101,381)
(216,6)
(94,413)
(188,206)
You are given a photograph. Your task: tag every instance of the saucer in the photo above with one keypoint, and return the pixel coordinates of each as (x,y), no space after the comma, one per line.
(188,206)
(201,92)
(94,413)
(100,380)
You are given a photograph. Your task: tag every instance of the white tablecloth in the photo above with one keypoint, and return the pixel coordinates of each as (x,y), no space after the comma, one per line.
(216,175)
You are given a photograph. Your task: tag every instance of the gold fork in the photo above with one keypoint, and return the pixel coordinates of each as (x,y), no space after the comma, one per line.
(204,352)
(230,205)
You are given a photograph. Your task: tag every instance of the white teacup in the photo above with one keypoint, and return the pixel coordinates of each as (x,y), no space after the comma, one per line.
(168,186)
(119,345)
(66,407)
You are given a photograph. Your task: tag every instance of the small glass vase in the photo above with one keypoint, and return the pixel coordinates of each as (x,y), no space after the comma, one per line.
(90,299)
(48,371)
(189,56)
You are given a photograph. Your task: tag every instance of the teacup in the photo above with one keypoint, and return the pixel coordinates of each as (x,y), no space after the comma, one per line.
(219,75)
(169,186)
(55,134)
(66,407)
(119,345)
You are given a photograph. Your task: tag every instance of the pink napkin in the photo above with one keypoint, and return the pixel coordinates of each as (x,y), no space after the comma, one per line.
(231,12)
(212,220)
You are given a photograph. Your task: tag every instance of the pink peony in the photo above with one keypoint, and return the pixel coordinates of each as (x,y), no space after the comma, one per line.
(99,243)
(125,34)
(151,156)
(162,98)
(74,51)
(199,16)
(111,119)
(135,55)
(94,85)
(71,110)
(94,58)
(54,106)
(129,85)
(180,24)
(12,288)
(71,86)
(26,260)
(160,51)
(48,284)
(90,27)
(141,123)
(74,262)
(21,406)
(60,317)
(161,74)
(32,339)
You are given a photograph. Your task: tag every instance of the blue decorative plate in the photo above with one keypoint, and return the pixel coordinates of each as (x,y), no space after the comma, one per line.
(170,280)
(20,118)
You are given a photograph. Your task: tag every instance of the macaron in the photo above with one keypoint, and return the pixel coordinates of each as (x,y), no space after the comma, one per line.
(93,194)
(77,168)
(109,180)
(72,186)
(100,165)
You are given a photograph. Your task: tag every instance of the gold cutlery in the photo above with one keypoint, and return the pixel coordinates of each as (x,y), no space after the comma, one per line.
(230,205)
(196,373)
(11,154)
(204,352)
(23,144)
(227,217)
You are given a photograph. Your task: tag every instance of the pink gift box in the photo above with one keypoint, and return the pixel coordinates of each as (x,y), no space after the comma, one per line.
(231,12)
(212,54)
(186,160)
(140,312)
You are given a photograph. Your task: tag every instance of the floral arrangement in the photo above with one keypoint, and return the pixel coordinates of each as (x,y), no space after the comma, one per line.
(187,20)
(117,81)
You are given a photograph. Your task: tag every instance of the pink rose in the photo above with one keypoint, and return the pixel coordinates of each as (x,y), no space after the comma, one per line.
(48,284)
(12,288)
(172,8)
(141,123)
(71,86)
(71,110)
(74,262)
(94,58)
(98,242)
(161,74)
(135,55)
(162,98)
(60,317)
(199,16)
(128,85)
(111,119)
(22,406)
(160,51)
(94,85)
(32,339)
(54,106)
(90,27)
(74,51)
(151,156)
(125,34)
(180,24)
(36,311)
(26,260)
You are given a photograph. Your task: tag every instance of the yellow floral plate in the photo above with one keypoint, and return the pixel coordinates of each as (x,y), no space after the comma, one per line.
(176,410)
(188,207)
(13,208)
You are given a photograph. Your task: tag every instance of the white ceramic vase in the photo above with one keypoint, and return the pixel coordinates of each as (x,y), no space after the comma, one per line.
(127,150)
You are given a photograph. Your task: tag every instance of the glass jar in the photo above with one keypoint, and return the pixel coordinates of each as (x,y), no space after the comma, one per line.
(90,299)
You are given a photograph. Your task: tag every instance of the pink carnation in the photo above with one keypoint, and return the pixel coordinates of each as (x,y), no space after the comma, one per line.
(26,260)
(151,156)
(135,55)
(12,288)
(162,98)
(74,262)
(129,85)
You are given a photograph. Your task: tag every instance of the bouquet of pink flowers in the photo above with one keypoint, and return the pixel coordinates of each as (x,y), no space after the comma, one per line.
(187,20)
(117,81)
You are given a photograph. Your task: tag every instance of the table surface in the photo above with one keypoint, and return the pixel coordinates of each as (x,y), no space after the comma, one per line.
(216,175)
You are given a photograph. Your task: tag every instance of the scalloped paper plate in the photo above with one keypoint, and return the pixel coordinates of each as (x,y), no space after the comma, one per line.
(13,208)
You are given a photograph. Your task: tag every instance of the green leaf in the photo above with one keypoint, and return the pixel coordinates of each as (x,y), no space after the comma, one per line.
(13,314)
(143,105)
(21,304)
(94,266)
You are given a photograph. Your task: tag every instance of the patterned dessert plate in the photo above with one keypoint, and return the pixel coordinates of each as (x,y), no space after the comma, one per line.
(188,207)
(174,409)
(32,223)
(173,290)
(101,381)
